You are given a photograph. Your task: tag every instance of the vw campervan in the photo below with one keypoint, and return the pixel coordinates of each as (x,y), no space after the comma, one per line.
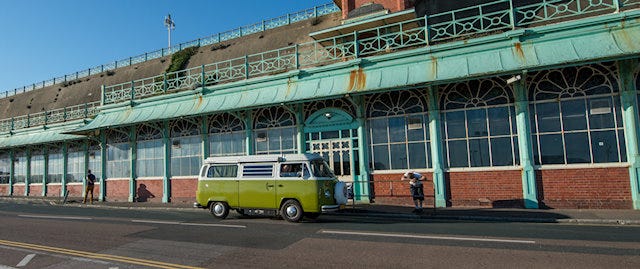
(291,185)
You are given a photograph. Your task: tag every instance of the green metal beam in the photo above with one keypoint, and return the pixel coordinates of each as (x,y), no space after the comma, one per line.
(12,172)
(133,155)
(65,170)
(103,165)
(166,179)
(28,176)
(529,187)
(437,158)
(45,170)
(628,96)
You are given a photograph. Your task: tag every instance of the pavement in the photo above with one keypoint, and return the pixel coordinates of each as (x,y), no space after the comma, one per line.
(375,210)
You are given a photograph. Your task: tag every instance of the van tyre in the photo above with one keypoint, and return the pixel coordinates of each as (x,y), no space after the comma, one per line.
(219,210)
(291,211)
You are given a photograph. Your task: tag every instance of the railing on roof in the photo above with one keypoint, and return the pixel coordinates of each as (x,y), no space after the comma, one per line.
(82,111)
(220,37)
(497,16)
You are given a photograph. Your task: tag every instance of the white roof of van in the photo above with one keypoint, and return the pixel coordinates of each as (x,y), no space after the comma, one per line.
(264,158)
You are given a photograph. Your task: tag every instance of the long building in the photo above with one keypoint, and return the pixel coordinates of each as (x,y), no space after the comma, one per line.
(501,103)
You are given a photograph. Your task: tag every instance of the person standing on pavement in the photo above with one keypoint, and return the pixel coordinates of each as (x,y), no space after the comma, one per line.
(91,181)
(416,189)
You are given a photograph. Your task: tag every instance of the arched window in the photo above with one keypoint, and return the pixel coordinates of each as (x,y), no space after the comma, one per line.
(186,147)
(55,164)
(118,147)
(226,135)
(95,160)
(478,117)
(149,149)
(5,167)
(75,162)
(398,126)
(37,165)
(275,131)
(20,165)
(575,114)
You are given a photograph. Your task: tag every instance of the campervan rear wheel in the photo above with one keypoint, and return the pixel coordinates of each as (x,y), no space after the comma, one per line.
(291,211)
(219,210)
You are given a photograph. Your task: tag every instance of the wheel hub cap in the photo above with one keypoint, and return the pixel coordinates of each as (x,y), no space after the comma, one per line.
(292,211)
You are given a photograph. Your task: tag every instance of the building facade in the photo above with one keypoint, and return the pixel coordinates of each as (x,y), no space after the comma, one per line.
(500,103)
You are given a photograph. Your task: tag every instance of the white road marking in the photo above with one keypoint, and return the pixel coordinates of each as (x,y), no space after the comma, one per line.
(6,267)
(189,224)
(26,260)
(430,237)
(54,217)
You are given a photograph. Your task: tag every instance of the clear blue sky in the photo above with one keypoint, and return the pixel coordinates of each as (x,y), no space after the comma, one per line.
(43,39)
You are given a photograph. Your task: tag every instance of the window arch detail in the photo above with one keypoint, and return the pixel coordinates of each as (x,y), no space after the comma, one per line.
(396,103)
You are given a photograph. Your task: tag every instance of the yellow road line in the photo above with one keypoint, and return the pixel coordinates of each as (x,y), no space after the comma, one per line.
(96,255)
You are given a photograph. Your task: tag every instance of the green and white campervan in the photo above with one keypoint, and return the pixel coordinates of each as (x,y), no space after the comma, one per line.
(291,185)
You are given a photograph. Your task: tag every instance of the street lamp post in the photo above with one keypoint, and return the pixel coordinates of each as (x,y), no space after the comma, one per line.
(168,22)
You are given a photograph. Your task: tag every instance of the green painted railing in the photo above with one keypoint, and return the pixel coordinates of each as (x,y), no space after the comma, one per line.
(49,117)
(489,18)
(216,38)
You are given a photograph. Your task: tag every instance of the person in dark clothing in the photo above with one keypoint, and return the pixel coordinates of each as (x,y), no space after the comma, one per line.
(91,181)
(416,189)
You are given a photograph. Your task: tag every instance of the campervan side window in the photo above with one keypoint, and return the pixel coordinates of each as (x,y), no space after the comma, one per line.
(226,170)
(258,170)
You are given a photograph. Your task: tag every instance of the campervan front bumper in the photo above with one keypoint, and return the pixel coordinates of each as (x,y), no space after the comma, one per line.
(331,208)
(196,205)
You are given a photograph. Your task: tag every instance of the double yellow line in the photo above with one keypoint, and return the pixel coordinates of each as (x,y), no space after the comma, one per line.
(92,255)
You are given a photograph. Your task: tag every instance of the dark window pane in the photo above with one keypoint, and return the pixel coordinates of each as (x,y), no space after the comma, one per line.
(458,154)
(479,152)
(477,121)
(551,149)
(623,149)
(378,131)
(573,115)
(417,155)
(330,134)
(548,117)
(416,128)
(380,157)
(605,147)
(499,121)
(618,108)
(397,129)
(501,151)
(455,124)
(399,160)
(600,113)
(532,119)
(577,145)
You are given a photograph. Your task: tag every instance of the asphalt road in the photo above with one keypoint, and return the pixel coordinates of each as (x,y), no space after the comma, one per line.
(45,236)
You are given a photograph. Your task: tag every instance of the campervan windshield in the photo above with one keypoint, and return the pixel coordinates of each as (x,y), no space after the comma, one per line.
(320,168)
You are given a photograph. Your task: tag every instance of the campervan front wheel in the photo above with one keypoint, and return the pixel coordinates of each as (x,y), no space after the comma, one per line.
(291,211)
(219,210)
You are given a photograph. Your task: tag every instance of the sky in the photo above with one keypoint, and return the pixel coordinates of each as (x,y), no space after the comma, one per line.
(43,39)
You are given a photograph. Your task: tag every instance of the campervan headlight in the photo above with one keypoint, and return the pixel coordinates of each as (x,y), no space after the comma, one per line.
(327,193)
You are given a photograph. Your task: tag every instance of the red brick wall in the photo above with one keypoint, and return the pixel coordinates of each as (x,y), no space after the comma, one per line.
(35,190)
(18,190)
(149,190)
(392,5)
(54,190)
(183,190)
(4,190)
(485,188)
(76,190)
(585,188)
(117,190)
(390,189)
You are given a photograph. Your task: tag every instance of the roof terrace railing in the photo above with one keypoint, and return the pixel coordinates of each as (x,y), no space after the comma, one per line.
(487,18)
(216,38)
(493,17)
(82,111)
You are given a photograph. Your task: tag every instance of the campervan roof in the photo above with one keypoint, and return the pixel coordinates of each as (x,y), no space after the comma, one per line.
(264,158)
